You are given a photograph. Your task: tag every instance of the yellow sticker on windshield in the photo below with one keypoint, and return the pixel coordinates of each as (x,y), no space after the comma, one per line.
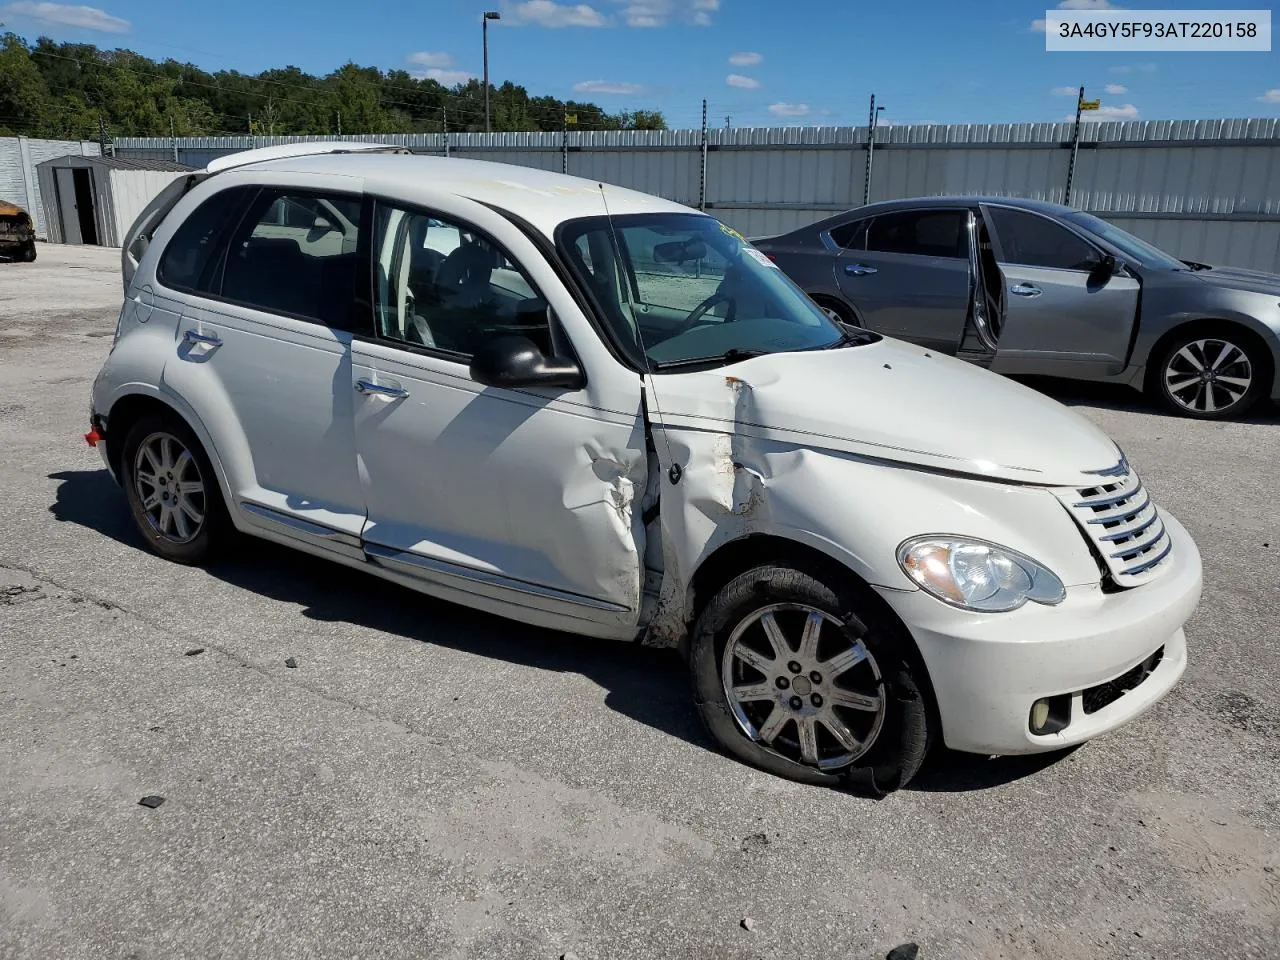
(730,231)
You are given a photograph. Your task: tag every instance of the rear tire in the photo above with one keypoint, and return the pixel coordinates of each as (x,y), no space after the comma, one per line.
(839,705)
(172,490)
(836,311)
(1211,373)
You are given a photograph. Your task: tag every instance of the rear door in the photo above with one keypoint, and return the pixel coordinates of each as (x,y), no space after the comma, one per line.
(263,353)
(1062,317)
(908,274)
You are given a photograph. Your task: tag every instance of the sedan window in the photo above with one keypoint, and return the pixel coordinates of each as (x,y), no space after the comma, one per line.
(1031,240)
(445,287)
(924,233)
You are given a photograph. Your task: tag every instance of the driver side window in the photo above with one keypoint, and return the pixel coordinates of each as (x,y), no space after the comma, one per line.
(442,286)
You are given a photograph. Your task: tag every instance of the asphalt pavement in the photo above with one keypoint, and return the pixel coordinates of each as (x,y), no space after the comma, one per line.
(426,781)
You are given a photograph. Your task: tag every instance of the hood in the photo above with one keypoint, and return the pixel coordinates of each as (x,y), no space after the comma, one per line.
(892,401)
(1237,278)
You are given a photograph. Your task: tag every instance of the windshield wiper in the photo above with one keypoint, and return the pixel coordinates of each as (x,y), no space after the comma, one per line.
(852,335)
(729,356)
(1197,266)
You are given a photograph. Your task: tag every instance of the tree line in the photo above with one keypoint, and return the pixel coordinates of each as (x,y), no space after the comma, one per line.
(76,91)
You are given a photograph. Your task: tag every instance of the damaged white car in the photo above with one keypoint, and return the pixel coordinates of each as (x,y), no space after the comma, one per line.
(594,410)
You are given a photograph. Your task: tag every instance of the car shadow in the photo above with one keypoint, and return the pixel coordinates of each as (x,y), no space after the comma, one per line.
(644,684)
(1114,396)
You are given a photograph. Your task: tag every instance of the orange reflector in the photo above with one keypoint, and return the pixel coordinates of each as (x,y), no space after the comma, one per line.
(92,437)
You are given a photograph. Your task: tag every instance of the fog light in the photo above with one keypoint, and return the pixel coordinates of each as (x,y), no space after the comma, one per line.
(1050,714)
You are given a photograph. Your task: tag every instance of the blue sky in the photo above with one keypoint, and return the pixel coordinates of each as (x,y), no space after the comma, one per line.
(759,62)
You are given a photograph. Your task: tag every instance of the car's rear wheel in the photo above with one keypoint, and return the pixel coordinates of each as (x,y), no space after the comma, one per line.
(835,311)
(172,490)
(810,680)
(1211,374)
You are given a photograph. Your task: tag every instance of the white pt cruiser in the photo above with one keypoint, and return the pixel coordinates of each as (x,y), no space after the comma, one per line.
(590,409)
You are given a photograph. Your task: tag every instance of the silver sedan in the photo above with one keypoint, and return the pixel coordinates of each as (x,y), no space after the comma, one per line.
(1025,287)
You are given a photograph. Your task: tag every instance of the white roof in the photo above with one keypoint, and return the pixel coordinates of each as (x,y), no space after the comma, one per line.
(543,198)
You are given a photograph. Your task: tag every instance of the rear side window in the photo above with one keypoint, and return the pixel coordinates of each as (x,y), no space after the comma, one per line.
(1035,241)
(851,236)
(294,253)
(192,257)
(924,233)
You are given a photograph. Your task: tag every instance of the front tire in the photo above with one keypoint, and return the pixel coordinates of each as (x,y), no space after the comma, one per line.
(1211,374)
(28,253)
(172,490)
(810,681)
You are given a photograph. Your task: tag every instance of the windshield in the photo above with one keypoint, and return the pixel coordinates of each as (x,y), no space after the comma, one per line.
(1134,249)
(681,288)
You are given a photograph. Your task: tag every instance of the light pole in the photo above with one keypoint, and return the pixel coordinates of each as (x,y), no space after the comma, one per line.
(484,21)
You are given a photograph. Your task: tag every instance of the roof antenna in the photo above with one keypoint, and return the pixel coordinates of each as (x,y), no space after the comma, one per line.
(674,471)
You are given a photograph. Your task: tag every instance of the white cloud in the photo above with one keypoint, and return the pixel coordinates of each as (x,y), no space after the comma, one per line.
(658,13)
(1271,96)
(789,109)
(1104,112)
(1135,68)
(1116,89)
(1065,91)
(746,59)
(738,80)
(425,59)
(1037,26)
(545,13)
(610,87)
(69,15)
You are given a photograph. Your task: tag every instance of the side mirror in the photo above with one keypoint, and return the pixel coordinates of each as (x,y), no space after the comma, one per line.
(1104,269)
(516,361)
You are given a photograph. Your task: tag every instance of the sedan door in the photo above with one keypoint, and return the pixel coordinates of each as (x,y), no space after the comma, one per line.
(525,499)
(1064,316)
(908,274)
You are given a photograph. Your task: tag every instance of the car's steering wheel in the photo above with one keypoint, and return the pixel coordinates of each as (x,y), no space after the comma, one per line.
(700,311)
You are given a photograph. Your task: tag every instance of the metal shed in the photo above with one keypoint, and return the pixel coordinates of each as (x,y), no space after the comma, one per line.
(94,200)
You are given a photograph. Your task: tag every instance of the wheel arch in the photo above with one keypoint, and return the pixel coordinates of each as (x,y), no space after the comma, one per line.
(1211,325)
(737,556)
(825,298)
(128,408)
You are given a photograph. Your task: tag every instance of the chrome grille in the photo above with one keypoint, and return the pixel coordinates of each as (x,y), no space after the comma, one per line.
(1123,525)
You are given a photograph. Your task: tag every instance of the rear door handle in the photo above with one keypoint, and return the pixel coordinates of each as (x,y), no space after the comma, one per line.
(1025,290)
(209,339)
(858,269)
(369,388)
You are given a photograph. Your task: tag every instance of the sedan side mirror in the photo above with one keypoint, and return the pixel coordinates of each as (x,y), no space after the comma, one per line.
(1104,269)
(516,361)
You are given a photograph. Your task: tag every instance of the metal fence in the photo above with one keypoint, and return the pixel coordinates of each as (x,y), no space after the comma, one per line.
(1205,190)
(18,181)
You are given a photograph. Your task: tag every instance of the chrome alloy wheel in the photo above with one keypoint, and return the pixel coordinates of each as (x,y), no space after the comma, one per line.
(167,480)
(1209,375)
(832,314)
(819,700)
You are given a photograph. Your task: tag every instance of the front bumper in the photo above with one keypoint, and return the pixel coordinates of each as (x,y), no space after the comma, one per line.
(988,669)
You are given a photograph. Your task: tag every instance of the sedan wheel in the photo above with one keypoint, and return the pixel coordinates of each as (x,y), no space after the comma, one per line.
(1210,377)
(814,697)
(169,486)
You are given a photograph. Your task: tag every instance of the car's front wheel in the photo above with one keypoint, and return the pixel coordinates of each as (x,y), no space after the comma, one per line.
(1211,374)
(172,491)
(810,680)
(28,253)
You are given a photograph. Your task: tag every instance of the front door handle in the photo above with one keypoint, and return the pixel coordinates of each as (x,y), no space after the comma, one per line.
(858,269)
(369,388)
(208,339)
(1025,290)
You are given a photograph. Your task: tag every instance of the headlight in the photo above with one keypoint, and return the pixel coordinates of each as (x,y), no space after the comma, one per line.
(975,575)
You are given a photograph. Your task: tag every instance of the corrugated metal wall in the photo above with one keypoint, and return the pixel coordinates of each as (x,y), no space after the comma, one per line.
(18,181)
(1207,190)
(131,191)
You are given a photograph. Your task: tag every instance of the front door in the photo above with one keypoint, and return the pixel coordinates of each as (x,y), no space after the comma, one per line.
(264,354)
(525,499)
(1062,317)
(908,274)
(68,209)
